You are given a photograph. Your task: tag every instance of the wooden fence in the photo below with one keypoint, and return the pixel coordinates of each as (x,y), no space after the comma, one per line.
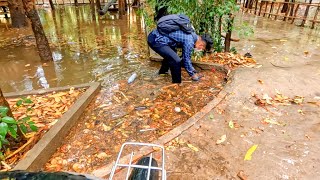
(286,11)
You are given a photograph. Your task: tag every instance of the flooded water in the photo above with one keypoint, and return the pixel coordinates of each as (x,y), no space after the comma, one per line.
(85,48)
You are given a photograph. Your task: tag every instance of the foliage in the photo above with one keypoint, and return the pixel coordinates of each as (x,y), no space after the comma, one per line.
(209,16)
(9,126)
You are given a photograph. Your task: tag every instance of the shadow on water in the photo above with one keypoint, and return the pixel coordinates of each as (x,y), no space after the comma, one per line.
(85,47)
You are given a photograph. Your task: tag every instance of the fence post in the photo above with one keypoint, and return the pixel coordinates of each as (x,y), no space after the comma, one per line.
(227,41)
(315,16)
(260,7)
(271,9)
(256,7)
(276,16)
(295,13)
(306,14)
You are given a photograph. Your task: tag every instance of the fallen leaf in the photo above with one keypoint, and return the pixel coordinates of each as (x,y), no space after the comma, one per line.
(103,155)
(242,176)
(300,111)
(260,81)
(267,98)
(270,121)
(306,135)
(193,147)
(231,124)
(249,153)
(211,116)
(27,65)
(306,52)
(106,128)
(222,139)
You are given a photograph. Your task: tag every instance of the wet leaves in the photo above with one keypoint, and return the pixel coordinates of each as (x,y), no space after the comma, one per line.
(44,111)
(229,59)
(272,121)
(278,99)
(141,112)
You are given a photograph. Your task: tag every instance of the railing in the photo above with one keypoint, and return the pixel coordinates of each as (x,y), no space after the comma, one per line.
(286,11)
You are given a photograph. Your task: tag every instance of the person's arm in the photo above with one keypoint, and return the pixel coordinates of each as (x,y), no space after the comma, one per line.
(187,49)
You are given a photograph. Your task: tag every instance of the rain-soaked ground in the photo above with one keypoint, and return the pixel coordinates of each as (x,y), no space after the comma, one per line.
(106,49)
(288,144)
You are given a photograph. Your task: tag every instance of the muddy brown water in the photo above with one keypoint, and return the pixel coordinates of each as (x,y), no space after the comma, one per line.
(85,48)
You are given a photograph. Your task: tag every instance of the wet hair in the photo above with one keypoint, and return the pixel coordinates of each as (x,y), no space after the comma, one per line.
(209,42)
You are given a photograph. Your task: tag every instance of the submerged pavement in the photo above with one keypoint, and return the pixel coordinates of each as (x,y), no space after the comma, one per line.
(288,144)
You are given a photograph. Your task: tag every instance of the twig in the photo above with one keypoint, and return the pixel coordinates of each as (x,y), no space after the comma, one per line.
(6,165)
(171,85)
(278,66)
(21,148)
(123,95)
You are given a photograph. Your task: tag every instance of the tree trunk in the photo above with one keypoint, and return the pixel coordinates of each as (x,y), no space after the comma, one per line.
(51,4)
(136,3)
(41,39)
(17,14)
(76,2)
(3,102)
(98,4)
(121,7)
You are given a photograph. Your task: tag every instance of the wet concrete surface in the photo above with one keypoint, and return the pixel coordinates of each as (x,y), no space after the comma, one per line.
(284,152)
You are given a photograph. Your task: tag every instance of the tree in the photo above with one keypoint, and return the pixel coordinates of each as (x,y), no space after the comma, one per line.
(51,4)
(17,14)
(3,102)
(41,39)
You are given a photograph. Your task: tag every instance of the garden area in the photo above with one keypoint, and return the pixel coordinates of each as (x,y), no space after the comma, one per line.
(78,80)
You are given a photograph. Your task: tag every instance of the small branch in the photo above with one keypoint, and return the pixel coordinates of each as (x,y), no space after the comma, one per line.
(123,95)
(278,66)
(21,148)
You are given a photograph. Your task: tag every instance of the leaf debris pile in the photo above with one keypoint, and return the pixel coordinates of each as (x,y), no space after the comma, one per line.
(278,99)
(44,110)
(229,59)
(142,112)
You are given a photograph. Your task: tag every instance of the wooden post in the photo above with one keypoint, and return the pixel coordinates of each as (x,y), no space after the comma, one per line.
(306,14)
(260,7)
(276,16)
(295,13)
(271,9)
(287,13)
(265,9)
(256,7)
(121,7)
(315,16)
(227,41)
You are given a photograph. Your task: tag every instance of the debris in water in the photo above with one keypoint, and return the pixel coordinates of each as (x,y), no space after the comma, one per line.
(132,78)
(177,109)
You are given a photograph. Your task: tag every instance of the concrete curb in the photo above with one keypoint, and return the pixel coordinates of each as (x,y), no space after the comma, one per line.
(38,156)
(106,170)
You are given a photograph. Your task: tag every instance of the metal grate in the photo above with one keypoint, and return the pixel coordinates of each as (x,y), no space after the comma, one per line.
(130,165)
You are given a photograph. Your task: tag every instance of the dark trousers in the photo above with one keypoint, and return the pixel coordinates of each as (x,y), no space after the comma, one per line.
(170,59)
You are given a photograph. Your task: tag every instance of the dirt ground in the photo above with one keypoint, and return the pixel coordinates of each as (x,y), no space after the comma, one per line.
(288,146)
